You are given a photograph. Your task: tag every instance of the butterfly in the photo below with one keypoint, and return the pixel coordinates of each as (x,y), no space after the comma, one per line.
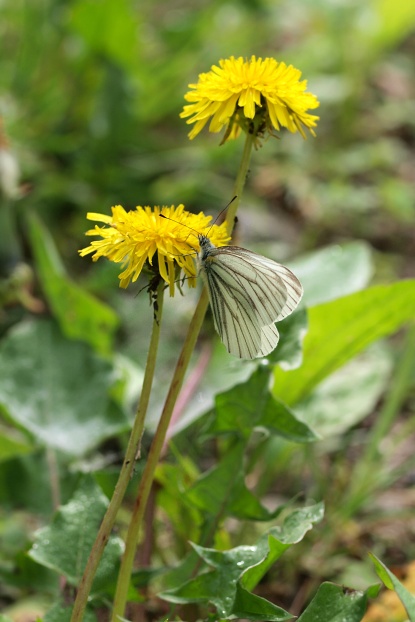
(248,293)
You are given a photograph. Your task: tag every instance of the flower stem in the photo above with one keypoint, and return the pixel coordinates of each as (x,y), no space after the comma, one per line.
(240,181)
(126,469)
(153,458)
(146,482)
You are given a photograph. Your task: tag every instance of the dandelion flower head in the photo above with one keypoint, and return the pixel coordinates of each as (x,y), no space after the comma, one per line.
(239,91)
(134,238)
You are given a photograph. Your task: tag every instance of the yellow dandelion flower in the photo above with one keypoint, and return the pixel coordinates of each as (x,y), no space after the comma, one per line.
(239,92)
(135,237)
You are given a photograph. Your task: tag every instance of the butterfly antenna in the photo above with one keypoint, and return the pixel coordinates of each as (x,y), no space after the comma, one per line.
(181,224)
(222,211)
(210,228)
(225,208)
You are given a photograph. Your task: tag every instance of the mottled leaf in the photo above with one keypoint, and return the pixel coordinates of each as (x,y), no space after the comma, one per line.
(58,389)
(235,572)
(65,545)
(335,603)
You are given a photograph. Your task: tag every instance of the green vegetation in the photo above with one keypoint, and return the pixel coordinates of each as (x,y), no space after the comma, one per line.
(282,484)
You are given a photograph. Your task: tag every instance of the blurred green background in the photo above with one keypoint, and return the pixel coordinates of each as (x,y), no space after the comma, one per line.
(90,93)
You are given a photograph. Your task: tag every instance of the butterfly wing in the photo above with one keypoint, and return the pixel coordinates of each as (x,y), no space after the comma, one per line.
(270,288)
(247,293)
(275,274)
(236,321)
(269,339)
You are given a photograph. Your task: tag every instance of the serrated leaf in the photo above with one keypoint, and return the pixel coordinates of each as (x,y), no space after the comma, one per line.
(57,389)
(234,571)
(220,586)
(334,603)
(393,583)
(279,539)
(80,315)
(65,545)
(250,405)
(341,329)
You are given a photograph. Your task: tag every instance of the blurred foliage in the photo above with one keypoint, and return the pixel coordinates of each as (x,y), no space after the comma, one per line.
(90,96)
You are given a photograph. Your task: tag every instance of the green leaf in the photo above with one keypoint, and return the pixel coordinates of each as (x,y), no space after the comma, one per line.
(334,603)
(334,271)
(235,572)
(341,329)
(11,446)
(80,315)
(220,586)
(250,404)
(57,389)
(25,481)
(278,539)
(4,618)
(239,408)
(392,583)
(354,389)
(249,606)
(289,353)
(172,480)
(65,545)
(222,490)
(19,573)
(279,420)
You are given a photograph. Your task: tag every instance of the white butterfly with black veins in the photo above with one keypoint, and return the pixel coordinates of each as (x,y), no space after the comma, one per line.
(247,293)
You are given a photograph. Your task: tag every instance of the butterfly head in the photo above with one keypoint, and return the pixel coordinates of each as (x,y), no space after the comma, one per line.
(205,247)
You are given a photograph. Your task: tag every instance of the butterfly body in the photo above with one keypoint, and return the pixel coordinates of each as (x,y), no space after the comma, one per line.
(248,293)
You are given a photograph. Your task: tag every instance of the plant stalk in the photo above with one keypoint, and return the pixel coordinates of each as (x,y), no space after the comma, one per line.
(153,459)
(240,181)
(126,469)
